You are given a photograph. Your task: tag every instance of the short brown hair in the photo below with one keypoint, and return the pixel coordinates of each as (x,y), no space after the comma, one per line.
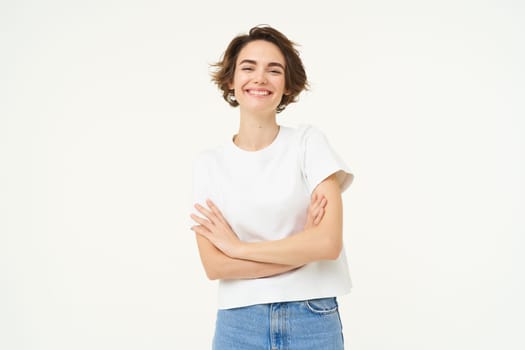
(295,75)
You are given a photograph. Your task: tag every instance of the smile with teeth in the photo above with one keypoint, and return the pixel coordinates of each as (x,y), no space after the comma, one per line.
(258,92)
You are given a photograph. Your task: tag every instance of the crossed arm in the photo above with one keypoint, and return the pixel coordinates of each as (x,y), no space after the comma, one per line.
(224,256)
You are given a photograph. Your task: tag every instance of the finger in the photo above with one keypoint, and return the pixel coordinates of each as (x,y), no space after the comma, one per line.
(319,216)
(313,199)
(317,204)
(216,211)
(202,221)
(198,227)
(207,213)
(202,231)
(318,211)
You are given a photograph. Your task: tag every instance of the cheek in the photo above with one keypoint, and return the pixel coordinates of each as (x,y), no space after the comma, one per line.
(279,81)
(279,84)
(239,82)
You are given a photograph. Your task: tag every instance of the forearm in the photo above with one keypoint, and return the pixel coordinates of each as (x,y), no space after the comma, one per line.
(320,242)
(299,249)
(323,241)
(220,266)
(247,269)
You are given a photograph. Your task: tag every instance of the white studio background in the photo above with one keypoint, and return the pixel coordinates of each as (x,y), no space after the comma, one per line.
(104,104)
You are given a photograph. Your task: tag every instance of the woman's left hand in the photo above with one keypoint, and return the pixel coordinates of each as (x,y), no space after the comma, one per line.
(216,229)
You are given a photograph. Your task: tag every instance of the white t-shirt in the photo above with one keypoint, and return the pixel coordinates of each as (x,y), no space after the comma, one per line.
(264,195)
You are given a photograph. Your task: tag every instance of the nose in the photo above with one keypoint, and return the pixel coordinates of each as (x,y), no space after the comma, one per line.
(260,77)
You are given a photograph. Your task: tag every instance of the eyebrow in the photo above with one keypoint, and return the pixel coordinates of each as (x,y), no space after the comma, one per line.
(271,64)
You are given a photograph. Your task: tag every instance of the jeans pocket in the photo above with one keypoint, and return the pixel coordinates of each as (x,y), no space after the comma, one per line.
(323,306)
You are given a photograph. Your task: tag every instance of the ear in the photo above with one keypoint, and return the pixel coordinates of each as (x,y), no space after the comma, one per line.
(230,85)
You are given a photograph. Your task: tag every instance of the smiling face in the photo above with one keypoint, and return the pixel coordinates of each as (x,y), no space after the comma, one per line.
(259,79)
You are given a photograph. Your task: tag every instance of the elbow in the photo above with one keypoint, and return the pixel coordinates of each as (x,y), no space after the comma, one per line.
(333,248)
(215,264)
(334,252)
(211,273)
(212,276)
(218,270)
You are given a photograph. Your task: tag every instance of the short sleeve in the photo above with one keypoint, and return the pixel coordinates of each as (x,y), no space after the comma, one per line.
(319,161)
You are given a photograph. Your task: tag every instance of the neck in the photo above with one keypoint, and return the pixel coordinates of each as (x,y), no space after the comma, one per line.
(256,131)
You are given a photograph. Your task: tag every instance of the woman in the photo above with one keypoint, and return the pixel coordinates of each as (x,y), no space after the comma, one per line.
(268,209)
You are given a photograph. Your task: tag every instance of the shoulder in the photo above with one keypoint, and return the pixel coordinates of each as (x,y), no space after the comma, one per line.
(305,138)
(309,130)
(309,135)
(304,132)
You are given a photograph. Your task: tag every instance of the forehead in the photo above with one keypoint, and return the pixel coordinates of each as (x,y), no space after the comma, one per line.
(261,51)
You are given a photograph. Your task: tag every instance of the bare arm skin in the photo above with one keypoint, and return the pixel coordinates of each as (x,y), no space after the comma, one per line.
(218,265)
(320,242)
(323,241)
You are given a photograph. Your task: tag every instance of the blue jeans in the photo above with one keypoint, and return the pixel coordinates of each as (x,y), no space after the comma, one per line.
(297,325)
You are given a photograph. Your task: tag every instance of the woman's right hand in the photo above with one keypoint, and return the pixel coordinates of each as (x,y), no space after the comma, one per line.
(315,211)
